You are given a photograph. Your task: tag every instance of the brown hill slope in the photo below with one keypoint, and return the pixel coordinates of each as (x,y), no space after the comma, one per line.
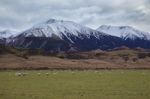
(124,58)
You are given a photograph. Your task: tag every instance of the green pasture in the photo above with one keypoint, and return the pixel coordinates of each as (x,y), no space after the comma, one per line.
(103,84)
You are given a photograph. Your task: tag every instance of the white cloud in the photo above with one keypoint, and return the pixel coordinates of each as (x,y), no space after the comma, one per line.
(22,14)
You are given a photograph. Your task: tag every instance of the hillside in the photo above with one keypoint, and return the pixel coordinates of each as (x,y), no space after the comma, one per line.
(119,58)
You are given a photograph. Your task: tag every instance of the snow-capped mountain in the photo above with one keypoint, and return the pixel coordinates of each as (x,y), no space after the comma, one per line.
(57,27)
(60,29)
(131,37)
(125,32)
(64,35)
(59,35)
(7,34)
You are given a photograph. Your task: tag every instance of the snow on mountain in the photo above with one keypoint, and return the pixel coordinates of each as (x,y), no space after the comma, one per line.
(7,34)
(125,32)
(60,28)
(59,35)
(64,35)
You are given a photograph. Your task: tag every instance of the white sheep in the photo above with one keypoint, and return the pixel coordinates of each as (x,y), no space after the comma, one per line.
(39,74)
(47,74)
(18,74)
(72,72)
(21,74)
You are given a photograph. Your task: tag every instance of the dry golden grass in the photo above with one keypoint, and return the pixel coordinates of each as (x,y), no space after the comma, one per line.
(126,59)
(118,58)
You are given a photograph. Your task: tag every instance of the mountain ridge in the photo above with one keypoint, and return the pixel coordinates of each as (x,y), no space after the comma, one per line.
(64,35)
(60,35)
(124,32)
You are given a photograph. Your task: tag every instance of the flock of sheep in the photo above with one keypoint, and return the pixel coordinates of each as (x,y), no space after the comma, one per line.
(24,74)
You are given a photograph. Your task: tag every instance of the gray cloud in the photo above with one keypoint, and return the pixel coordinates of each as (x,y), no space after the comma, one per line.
(22,14)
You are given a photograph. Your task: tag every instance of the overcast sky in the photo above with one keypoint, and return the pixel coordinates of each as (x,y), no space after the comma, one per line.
(22,14)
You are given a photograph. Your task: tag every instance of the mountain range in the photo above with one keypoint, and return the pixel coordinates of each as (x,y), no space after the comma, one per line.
(59,35)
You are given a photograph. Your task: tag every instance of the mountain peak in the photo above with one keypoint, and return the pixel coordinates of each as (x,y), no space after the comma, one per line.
(7,33)
(53,21)
(126,32)
(61,29)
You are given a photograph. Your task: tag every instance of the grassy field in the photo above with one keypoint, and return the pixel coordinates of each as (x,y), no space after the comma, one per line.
(114,84)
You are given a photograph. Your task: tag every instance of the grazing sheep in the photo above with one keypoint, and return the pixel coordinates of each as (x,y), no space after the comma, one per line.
(39,74)
(18,74)
(24,74)
(47,74)
(21,74)
(72,73)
